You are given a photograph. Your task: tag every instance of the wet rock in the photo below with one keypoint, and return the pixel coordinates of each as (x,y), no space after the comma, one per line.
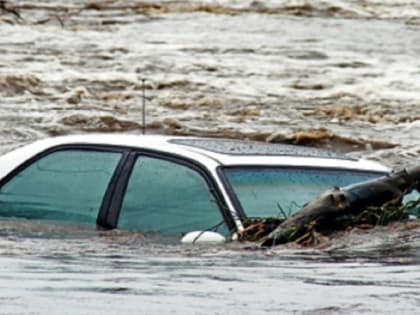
(186,103)
(111,123)
(120,110)
(246,111)
(76,119)
(172,123)
(10,14)
(76,96)
(7,20)
(304,9)
(176,103)
(323,10)
(258,5)
(100,124)
(155,125)
(204,7)
(276,137)
(95,6)
(56,131)
(18,84)
(350,112)
(353,64)
(298,85)
(113,96)
(171,84)
(307,55)
(324,138)
(210,102)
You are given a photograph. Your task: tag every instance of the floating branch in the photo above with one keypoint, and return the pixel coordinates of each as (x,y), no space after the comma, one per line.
(340,207)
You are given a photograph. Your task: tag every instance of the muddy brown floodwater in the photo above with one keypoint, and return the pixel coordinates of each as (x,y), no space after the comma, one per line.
(335,74)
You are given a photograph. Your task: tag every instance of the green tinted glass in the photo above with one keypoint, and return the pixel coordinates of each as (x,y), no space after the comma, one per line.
(168,198)
(66,185)
(279,192)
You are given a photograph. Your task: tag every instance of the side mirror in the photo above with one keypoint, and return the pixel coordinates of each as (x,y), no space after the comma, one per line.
(203,237)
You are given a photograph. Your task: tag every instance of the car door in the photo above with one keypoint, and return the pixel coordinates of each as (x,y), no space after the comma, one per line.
(63,184)
(169,195)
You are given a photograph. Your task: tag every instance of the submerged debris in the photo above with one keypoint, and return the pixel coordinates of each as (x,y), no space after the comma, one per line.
(18,84)
(325,138)
(257,229)
(347,113)
(365,205)
(101,123)
(339,209)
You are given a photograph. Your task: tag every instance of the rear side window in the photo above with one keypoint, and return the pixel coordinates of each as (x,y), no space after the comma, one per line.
(279,192)
(167,197)
(64,185)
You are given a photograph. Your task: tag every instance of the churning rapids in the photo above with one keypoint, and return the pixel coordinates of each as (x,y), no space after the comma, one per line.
(334,74)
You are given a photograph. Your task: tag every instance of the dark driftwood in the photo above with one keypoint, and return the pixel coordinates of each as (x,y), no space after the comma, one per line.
(340,202)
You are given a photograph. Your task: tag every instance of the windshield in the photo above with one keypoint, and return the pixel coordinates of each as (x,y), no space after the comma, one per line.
(279,192)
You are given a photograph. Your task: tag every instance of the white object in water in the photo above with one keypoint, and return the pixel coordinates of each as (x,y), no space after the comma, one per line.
(203,237)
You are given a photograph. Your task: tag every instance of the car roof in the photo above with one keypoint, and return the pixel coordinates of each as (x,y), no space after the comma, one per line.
(224,152)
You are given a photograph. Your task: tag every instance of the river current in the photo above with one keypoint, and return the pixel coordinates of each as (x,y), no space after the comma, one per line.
(343,75)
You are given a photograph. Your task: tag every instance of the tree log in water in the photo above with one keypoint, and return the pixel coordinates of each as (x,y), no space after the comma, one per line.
(331,209)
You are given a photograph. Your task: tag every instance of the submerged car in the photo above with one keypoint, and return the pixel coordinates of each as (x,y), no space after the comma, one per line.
(169,185)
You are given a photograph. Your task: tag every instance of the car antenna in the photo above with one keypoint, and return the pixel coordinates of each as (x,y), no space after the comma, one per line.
(144,105)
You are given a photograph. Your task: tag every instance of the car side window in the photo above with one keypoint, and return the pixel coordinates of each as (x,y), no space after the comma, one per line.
(64,185)
(167,197)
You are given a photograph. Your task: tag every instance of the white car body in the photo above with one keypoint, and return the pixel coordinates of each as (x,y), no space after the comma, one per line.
(185,147)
